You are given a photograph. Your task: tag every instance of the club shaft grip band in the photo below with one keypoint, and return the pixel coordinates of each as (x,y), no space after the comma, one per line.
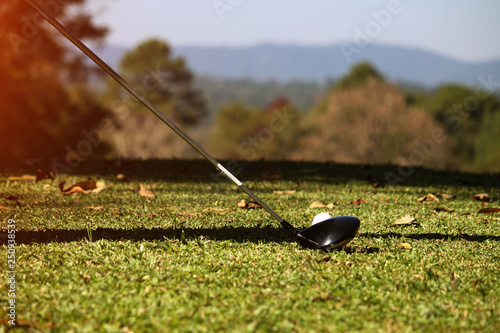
(229,174)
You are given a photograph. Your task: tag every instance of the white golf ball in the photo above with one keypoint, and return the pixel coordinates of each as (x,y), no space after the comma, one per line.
(321,217)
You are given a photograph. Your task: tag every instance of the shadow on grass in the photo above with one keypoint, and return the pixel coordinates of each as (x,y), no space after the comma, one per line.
(433,236)
(237,234)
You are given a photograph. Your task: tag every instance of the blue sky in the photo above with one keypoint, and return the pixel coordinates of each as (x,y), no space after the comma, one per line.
(465,30)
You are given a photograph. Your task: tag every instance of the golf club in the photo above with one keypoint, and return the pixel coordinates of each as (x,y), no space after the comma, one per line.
(329,234)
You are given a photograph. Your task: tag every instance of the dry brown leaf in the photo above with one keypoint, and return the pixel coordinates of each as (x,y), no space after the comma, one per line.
(87,186)
(253,205)
(358,202)
(418,276)
(406,220)
(75,189)
(145,192)
(23,177)
(43,174)
(248,205)
(481,197)
(446,196)
(330,205)
(404,246)
(284,192)
(489,210)
(96,207)
(3,208)
(440,209)
(316,204)
(379,184)
(99,186)
(427,197)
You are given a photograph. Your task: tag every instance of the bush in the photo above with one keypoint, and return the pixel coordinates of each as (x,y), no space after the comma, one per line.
(368,124)
(244,133)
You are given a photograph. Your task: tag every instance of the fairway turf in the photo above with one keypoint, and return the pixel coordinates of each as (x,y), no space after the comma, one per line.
(191,260)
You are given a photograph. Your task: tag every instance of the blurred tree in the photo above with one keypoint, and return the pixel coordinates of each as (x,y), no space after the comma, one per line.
(470,118)
(487,144)
(166,81)
(241,132)
(370,124)
(358,76)
(232,124)
(168,84)
(40,117)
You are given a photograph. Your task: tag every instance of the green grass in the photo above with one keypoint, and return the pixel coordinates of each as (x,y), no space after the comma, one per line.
(190,260)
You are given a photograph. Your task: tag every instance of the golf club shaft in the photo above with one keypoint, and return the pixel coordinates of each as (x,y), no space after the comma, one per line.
(147,104)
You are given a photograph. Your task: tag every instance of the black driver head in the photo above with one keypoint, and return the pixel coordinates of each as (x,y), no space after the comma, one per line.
(329,234)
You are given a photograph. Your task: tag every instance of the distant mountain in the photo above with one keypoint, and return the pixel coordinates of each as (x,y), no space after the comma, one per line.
(286,63)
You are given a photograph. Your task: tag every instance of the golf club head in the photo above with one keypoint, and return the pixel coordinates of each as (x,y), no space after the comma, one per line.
(332,233)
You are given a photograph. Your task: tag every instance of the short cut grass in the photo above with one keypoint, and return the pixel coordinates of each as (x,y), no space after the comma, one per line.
(191,260)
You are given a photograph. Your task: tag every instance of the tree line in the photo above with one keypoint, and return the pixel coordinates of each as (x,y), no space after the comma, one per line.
(52,109)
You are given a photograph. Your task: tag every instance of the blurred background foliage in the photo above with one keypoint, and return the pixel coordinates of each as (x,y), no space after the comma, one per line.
(51,95)
(45,99)
(168,84)
(241,132)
